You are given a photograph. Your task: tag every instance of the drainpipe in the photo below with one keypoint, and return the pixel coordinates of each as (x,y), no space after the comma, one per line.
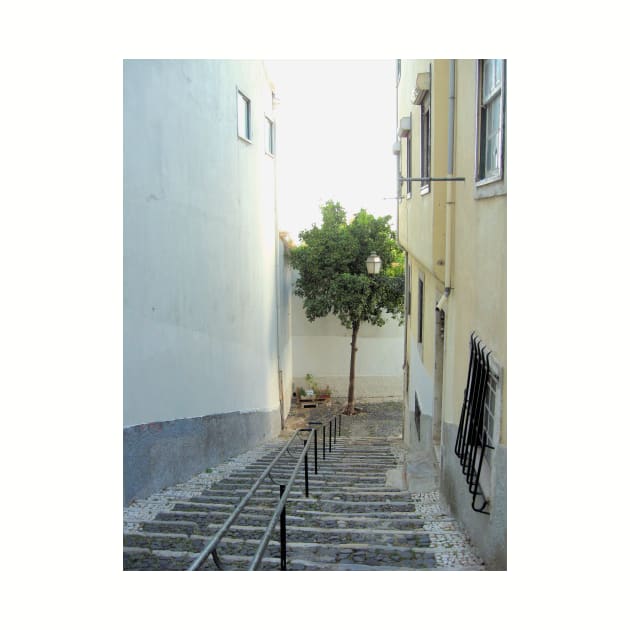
(450,188)
(279,272)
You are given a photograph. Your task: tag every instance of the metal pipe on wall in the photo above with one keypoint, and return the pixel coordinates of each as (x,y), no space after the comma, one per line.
(450,190)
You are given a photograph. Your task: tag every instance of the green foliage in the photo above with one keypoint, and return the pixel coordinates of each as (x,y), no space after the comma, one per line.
(312,383)
(333,277)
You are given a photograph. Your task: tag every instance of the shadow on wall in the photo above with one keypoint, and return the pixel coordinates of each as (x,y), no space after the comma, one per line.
(160,454)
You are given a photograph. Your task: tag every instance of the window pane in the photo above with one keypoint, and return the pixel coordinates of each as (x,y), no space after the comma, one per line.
(269,136)
(492,71)
(425,149)
(243,117)
(492,161)
(493,125)
(488,77)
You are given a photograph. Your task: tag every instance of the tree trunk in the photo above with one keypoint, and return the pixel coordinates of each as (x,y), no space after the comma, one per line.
(353,354)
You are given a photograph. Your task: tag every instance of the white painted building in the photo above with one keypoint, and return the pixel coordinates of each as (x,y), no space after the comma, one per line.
(206,286)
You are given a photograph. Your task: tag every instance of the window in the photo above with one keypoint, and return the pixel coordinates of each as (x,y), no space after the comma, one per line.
(425,143)
(490,125)
(490,420)
(409,175)
(490,409)
(244,117)
(409,290)
(420,307)
(270,136)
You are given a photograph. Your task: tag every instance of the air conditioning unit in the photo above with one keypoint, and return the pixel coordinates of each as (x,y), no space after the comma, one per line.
(405,127)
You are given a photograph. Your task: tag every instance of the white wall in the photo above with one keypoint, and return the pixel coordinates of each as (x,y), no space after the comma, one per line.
(200,243)
(322,348)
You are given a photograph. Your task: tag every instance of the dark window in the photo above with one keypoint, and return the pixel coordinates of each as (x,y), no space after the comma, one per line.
(425,143)
(408,296)
(420,308)
(417,415)
(409,175)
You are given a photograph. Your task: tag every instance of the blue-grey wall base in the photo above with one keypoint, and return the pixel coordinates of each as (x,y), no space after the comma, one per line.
(161,454)
(488,533)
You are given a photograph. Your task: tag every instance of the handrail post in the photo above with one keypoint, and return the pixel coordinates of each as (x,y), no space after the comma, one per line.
(306,470)
(315,451)
(330,437)
(335,429)
(283,534)
(324,441)
(339,425)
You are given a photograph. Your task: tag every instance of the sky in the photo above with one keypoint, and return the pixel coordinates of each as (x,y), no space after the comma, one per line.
(335,126)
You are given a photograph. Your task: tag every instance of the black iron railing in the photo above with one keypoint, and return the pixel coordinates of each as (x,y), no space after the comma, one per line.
(472,438)
(333,423)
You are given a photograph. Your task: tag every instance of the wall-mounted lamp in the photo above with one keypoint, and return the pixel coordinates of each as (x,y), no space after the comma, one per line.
(373,263)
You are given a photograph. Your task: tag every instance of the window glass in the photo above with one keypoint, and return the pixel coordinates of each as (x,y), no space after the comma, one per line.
(493,129)
(420,308)
(269,137)
(490,137)
(425,143)
(244,117)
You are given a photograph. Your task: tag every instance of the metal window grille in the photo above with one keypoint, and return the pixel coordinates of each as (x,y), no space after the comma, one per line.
(472,434)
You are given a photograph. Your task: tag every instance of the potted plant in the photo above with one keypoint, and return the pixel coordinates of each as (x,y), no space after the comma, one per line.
(306,394)
(324,394)
(320,393)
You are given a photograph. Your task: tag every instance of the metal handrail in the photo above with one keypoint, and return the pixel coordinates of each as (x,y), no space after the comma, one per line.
(211,547)
(262,547)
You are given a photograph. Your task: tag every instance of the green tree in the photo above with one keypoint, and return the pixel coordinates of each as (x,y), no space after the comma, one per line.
(334,279)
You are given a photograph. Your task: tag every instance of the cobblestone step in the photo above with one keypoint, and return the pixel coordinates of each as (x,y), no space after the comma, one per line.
(352,520)
(331,552)
(401,522)
(295,534)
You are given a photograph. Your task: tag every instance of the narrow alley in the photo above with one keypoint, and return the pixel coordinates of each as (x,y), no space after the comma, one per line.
(369,508)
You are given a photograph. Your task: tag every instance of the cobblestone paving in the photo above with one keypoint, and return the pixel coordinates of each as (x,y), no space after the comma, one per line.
(352,519)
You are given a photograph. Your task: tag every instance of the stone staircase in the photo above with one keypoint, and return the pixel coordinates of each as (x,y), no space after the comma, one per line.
(353,519)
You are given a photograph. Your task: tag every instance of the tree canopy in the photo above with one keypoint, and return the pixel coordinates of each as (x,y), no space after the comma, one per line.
(333,275)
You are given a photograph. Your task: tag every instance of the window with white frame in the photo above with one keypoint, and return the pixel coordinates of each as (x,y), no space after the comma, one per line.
(244,114)
(425,143)
(270,136)
(491,117)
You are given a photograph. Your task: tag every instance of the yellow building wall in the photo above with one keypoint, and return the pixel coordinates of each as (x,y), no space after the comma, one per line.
(479,260)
